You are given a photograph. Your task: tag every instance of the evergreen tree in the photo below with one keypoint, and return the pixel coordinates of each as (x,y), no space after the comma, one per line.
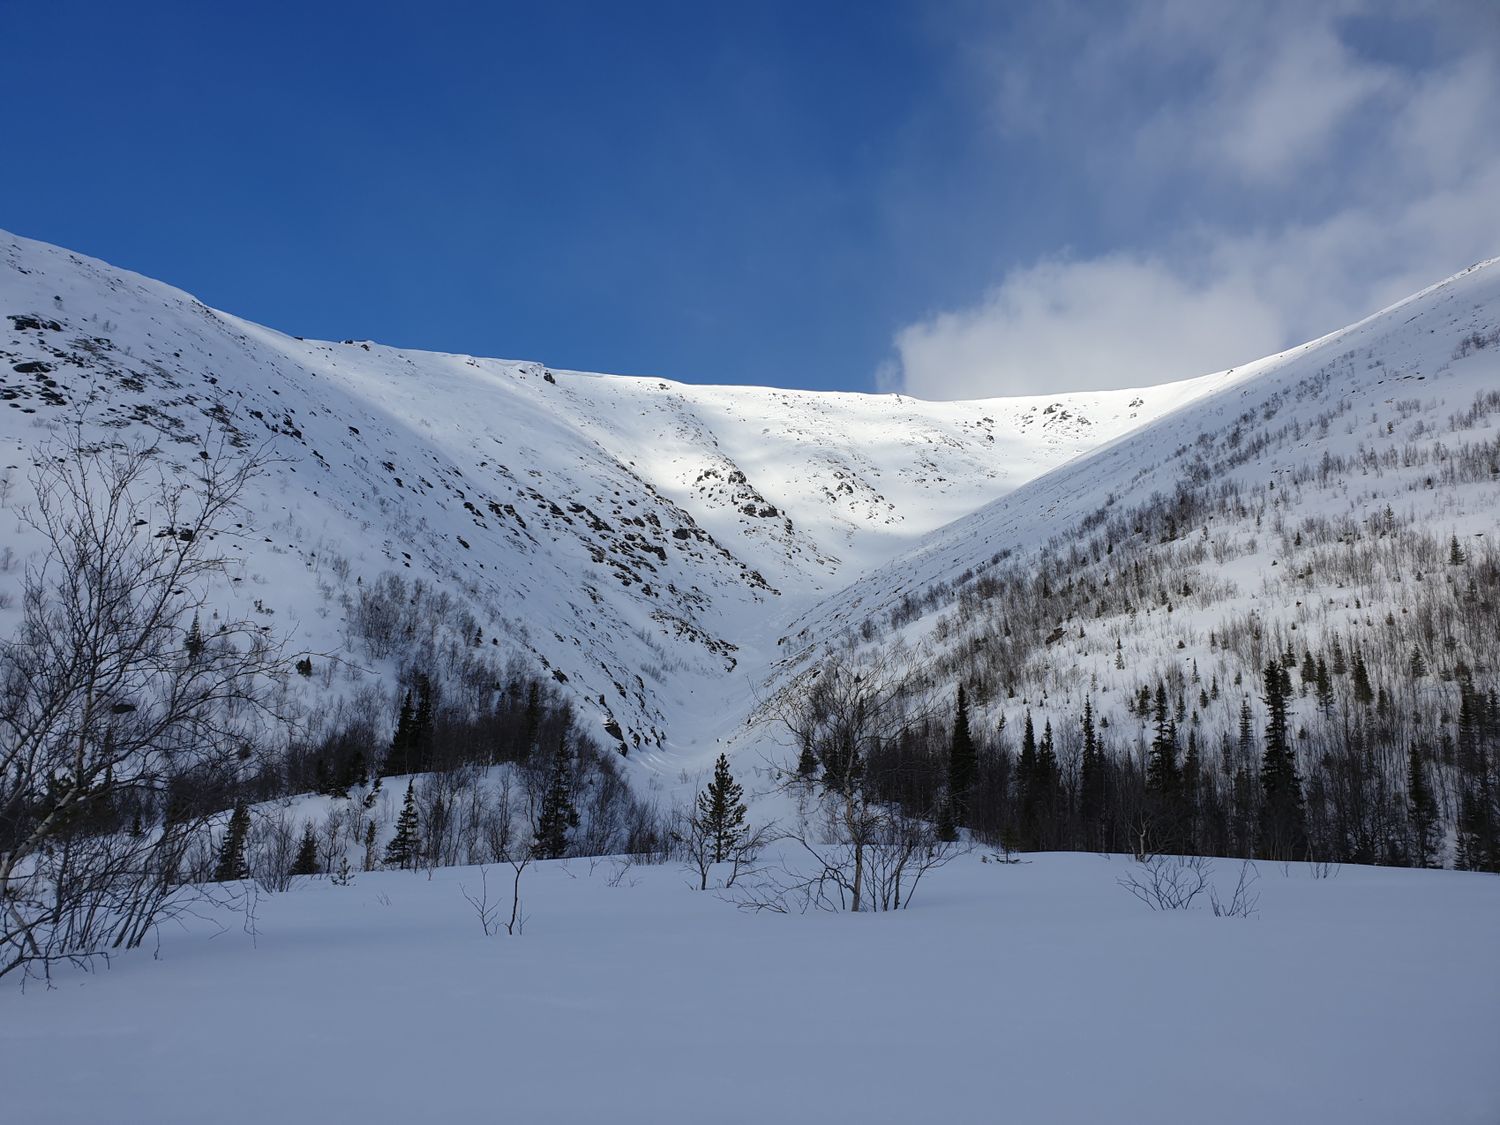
(721,813)
(410,750)
(1162,773)
(1283,828)
(1478,826)
(1028,791)
(421,750)
(1363,692)
(1091,782)
(1164,791)
(1247,730)
(195,643)
(306,862)
(1418,666)
(399,758)
(1422,813)
(402,851)
(533,715)
(231,864)
(557,814)
(1324,688)
(1455,552)
(963,763)
(1046,790)
(1309,671)
(807,761)
(353,772)
(1192,795)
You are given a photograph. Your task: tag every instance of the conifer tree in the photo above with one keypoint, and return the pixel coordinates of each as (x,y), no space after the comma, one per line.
(1309,671)
(1091,782)
(807,761)
(1028,794)
(231,863)
(963,763)
(421,748)
(557,814)
(401,852)
(1418,666)
(399,759)
(1192,795)
(306,862)
(1363,692)
(720,820)
(1164,778)
(195,643)
(1162,773)
(533,715)
(1422,813)
(1478,838)
(1324,689)
(353,773)
(1283,829)
(1247,730)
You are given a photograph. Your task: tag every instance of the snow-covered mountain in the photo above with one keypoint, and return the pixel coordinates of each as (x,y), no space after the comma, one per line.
(1340,498)
(673,553)
(637,537)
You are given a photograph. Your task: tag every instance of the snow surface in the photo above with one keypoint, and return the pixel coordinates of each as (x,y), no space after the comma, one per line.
(665,549)
(1039,991)
(1386,395)
(641,538)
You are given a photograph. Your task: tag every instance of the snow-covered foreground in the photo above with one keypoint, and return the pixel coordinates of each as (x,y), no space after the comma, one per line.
(1038,991)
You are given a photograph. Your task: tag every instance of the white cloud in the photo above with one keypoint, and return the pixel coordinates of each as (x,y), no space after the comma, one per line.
(1326,185)
(1109,322)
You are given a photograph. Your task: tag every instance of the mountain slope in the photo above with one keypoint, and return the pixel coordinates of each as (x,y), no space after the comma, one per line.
(1397,380)
(630,534)
(1327,515)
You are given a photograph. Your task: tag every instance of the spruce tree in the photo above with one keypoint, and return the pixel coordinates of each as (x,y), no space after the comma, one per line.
(422,721)
(557,814)
(1417,666)
(1422,813)
(807,761)
(401,852)
(1363,692)
(231,864)
(1283,829)
(533,715)
(1324,689)
(1164,791)
(195,643)
(399,759)
(1163,775)
(1247,731)
(720,820)
(306,862)
(1309,671)
(1028,791)
(963,763)
(1091,782)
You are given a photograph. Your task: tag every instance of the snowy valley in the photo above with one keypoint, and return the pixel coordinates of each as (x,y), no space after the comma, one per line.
(1041,655)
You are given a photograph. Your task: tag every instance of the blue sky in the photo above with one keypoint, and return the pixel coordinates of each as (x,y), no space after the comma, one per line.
(949,199)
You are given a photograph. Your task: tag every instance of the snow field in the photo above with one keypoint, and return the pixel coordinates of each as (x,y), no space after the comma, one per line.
(1039,991)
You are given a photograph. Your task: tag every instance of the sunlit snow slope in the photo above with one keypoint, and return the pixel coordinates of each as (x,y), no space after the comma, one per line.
(1289,465)
(638,537)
